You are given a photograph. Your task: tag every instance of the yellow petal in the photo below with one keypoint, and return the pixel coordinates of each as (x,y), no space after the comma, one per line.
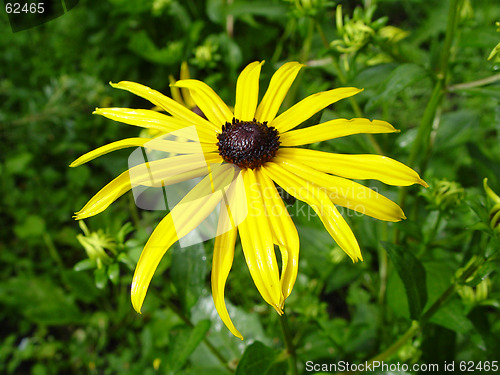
(309,106)
(359,167)
(257,243)
(247,92)
(175,91)
(154,120)
(317,198)
(171,106)
(277,90)
(208,101)
(284,233)
(182,219)
(221,265)
(185,92)
(334,129)
(113,146)
(157,173)
(347,193)
(148,143)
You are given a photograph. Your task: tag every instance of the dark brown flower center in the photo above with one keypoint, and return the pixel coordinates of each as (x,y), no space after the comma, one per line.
(248,144)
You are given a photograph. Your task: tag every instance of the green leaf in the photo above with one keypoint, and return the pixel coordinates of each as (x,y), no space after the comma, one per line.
(402,77)
(18,164)
(188,270)
(452,316)
(81,285)
(257,359)
(39,300)
(114,273)
(142,45)
(32,226)
(100,277)
(412,273)
(482,273)
(185,343)
(85,264)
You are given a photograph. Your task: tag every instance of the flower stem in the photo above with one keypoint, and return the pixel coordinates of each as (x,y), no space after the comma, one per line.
(425,127)
(470,85)
(439,87)
(290,348)
(416,327)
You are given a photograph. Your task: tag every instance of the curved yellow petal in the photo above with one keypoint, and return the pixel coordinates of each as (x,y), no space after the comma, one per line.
(359,167)
(212,106)
(258,246)
(176,92)
(247,92)
(113,146)
(185,92)
(154,120)
(318,199)
(182,219)
(309,106)
(334,129)
(284,233)
(347,193)
(157,173)
(148,143)
(171,106)
(277,90)
(222,263)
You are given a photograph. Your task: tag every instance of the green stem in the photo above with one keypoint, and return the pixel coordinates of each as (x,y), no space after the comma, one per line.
(290,348)
(322,35)
(439,87)
(424,130)
(53,250)
(408,335)
(133,211)
(470,85)
(416,327)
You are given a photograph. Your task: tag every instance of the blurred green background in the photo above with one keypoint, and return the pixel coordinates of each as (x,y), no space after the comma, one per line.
(425,69)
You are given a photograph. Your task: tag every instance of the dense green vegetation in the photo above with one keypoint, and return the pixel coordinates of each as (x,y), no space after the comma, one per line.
(428,291)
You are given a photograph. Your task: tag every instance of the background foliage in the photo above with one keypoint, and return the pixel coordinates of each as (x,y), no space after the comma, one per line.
(428,290)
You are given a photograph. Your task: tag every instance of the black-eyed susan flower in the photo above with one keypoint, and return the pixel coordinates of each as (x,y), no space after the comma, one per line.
(240,157)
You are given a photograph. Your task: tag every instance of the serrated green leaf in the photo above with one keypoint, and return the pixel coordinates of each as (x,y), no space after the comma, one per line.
(412,273)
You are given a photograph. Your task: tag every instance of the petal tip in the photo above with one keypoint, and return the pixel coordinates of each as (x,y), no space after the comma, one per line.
(423,183)
(278,309)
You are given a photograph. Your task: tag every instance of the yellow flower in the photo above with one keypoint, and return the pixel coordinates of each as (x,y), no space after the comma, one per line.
(241,156)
